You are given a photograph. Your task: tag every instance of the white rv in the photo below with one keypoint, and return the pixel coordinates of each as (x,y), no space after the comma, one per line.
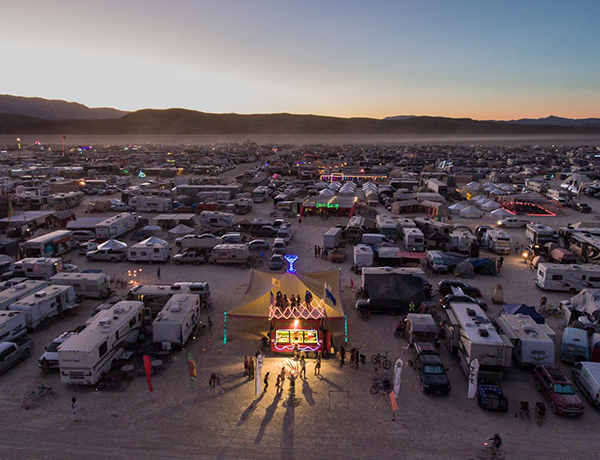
(51,244)
(45,304)
(386,225)
(233,254)
(150,250)
(403,223)
(115,226)
(355,228)
(363,256)
(471,333)
(12,325)
(414,240)
(541,234)
(260,194)
(93,285)
(567,277)
(177,320)
(217,219)
(150,204)
(17,292)
(156,296)
(462,241)
(498,241)
(84,358)
(61,201)
(40,268)
(532,346)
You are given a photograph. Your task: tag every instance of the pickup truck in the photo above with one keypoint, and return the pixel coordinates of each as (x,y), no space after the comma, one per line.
(12,353)
(265,230)
(190,257)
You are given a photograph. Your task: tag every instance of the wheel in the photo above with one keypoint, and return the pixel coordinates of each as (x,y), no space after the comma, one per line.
(113,259)
(196,262)
(386,363)
(26,355)
(364,313)
(374,389)
(482,453)
(374,359)
(90,258)
(392,312)
(177,262)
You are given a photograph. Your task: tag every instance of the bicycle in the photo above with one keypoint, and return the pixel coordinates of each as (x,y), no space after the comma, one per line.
(383,360)
(490,452)
(549,310)
(32,399)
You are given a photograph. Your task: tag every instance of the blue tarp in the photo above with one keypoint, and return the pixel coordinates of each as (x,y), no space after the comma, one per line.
(519,308)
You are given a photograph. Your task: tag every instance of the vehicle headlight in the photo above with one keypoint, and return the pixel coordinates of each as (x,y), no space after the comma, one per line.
(499,222)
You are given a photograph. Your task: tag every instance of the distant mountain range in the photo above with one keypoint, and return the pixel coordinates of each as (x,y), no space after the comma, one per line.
(551,120)
(19,116)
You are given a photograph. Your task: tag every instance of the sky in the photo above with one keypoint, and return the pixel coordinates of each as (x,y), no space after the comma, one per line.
(480,59)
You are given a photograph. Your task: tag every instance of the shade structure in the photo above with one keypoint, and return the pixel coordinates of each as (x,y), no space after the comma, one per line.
(470,212)
(181,230)
(257,300)
(115,245)
(456,208)
(501,213)
(152,229)
(474,186)
(489,206)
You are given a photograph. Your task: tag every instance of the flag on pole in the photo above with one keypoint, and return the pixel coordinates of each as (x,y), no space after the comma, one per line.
(192,369)
(329,294)
(397,376)
(473,371)
(148,368)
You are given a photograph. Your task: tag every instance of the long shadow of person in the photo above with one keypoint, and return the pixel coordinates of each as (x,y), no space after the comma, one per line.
(251,408)
(267,418)
(308,392)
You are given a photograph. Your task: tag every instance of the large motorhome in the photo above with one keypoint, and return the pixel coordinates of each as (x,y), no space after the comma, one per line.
(85,357)
(150,250)
(177,320)
(355,228)
(38,268)
(217,219)
(471,334)
(540,234)
(414,240)
(498,241)
(155,296)
(567,277)
(150,203)
(68,200)
(386,225)
(260,194)
(93,285)
(12,325)
(51,244)
(532,346)
(115,226)
(44,304)
(17,292)
(464,241)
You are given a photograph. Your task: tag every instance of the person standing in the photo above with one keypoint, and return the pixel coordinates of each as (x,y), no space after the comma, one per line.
(209,323)
(251,368)
(266,382)
(246,367)
(158,273)
(501,260)
(318,365)
(352,351)
(296,351)
(357,358)
(316,251)
(342,356)
(75,410)
(279,384)
(303,367)
(543,302)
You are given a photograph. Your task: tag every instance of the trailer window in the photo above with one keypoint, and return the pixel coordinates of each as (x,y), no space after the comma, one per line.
(594,279)
(557,277)
(132,322)
(103,349)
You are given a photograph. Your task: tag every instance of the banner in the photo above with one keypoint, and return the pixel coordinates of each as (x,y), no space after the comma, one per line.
(257,377)
(393,402)
(473,371)
(397,376)
(148,368)
(192,369)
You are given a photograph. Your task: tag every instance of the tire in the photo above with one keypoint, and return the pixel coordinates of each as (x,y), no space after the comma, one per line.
(374,359)
(386,364)
(89,259)
(392,312)
(364,313)
(196,262)
(26,355)
(374,389)
(113,259)
(177,262)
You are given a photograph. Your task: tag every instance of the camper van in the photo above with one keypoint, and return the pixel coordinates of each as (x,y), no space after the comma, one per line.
(463,241)
(86,357)
(217,219)
(156,296)
(386,225)
(575,346)
(115,226)
(363,257)
(150,250)
(44,304)
(92,285)
(150,204)
(17,292)
(177,320)
(230,254)
(498,241)
(374,239)
(414,240)
(39,268)
(571,278)
(51,244)
(285,233)
(471,334)
(532,346)
(12,325)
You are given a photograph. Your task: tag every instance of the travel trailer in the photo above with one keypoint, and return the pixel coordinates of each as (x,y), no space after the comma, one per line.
(150,204)
(115,226)
(471,334)
(217,219)
(61,201)
(386,225)
(463,241)
(363,256)
(414,240)
(39,268)
(44,304)
(86,357)
(51,244)
(155,296)
(150,250)
(17,292)
(12,325)
(532,346)
(567,277)
(260,194)
(230,254)
(177,320)
(92,285)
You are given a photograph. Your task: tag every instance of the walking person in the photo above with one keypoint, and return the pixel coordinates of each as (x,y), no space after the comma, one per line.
(75,410)
(296,351)
(246,367)
(266,382)
(357,360)
(501,261)
(316,251)
(279,384)
(352,351)
(158,273)
(209,323)
(303,367)
(342,356)
(318,365)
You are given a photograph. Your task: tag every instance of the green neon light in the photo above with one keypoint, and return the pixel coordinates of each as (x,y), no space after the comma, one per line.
(328,205)
(345,328)
(225,327)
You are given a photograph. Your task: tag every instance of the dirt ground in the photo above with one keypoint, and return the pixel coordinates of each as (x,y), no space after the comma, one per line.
(337,417)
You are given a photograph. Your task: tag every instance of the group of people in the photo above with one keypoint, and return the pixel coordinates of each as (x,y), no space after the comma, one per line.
(321,252)
(249,367)
(282,300)
(354,357)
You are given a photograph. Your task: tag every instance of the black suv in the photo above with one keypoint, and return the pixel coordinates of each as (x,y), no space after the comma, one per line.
(445,288)
(430,369)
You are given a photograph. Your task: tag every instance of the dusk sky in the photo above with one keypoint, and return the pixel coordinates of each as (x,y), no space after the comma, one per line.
(479,59)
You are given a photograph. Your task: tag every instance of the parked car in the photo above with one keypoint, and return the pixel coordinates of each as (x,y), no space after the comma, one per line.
(276,262)
(582,208)
(258,245)
(481,230)
(190,257)
(512,222)
(445,288)
(51,353)
(83,235)
(587,376)
(12,353)
(107,254)
(231,238)
(445,302)
(279,246)
(558,390)
(430,369)
(121,207)
(338,255)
